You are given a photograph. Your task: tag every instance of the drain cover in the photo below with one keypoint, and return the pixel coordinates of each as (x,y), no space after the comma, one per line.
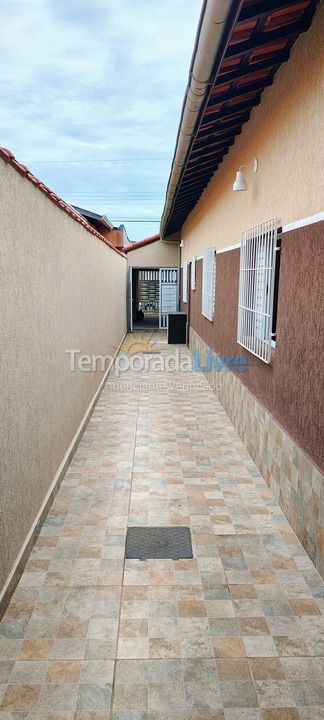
(145,543)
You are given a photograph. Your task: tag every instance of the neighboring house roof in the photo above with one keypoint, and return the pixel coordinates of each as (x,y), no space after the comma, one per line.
(142,243)
(94,218)
(239,47)
(127,241)
(102,223)
(8,156)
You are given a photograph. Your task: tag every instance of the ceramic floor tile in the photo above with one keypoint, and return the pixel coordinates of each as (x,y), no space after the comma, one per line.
(235,633)
(274,694)
(238,693)
(233,669)
(20,698)
(61,696)
(267,668)
(286,713)
(130,697)
(28,672)
(94,697)
(261,646)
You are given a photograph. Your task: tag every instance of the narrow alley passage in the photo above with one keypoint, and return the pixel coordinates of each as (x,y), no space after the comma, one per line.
(236,633)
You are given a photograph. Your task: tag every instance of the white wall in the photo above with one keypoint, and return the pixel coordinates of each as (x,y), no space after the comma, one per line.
(156,254)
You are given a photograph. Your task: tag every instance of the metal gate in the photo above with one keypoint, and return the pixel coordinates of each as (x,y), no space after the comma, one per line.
(148,291)
(168,294)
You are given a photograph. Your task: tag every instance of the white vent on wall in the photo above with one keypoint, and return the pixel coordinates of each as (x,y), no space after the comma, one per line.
(193,273)
(208,283)
(257,271)
(185,282)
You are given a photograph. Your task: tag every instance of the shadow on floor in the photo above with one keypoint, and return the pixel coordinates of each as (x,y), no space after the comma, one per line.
(150,322)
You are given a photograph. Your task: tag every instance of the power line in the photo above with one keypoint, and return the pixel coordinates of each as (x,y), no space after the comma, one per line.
(113,160)
(114,201)
(107,193)
(114,197)
(123,203)
(127,196)
(129,220)
(119,201)
(100,205)
(103,190)
(120,205)
(139,222)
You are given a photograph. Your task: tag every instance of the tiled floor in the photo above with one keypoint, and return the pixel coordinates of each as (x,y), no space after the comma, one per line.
(236,633)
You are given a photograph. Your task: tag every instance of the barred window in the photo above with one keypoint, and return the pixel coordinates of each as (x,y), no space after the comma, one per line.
(256,289)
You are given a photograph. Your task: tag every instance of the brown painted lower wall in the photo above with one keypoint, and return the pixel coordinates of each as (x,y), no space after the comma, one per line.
(294,480)
(290,388)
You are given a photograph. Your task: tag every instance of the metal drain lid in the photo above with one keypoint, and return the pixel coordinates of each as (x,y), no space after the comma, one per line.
(149,543)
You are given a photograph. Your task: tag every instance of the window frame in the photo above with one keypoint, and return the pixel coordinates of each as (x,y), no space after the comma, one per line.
(208,286)
(185,282)
(258,257)
(193,273)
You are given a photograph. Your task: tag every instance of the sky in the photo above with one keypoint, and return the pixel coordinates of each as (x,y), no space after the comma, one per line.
(91,95)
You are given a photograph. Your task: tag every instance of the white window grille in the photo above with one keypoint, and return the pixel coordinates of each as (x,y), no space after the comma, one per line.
(185,282)
(257,272)
(208,283)
(193,273)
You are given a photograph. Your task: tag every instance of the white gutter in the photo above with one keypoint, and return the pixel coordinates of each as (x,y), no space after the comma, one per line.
(212,21)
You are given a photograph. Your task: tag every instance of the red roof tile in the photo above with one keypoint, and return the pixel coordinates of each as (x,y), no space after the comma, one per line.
(141,243)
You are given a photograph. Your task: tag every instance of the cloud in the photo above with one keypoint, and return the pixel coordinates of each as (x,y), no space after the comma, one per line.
(97,81)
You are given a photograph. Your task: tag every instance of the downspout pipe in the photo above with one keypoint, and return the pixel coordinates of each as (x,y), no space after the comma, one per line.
(214,20)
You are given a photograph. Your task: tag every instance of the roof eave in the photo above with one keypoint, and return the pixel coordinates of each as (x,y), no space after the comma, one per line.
(255,40)
(215,24)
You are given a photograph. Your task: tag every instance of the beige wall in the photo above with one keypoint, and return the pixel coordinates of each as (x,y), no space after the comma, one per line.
(61,288)
(156,254)
(285,133)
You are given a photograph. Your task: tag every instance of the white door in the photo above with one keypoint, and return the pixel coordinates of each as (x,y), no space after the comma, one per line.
(168,294)
(130,299)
